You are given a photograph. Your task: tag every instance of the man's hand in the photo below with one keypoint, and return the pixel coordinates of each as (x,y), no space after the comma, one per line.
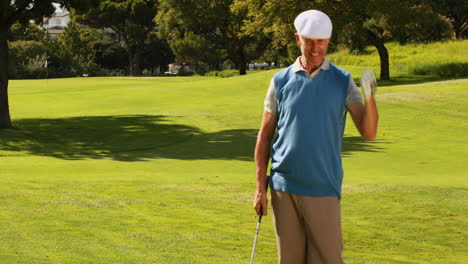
(368,84)
(261,202)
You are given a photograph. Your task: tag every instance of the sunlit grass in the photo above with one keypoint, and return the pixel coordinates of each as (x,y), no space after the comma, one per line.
(160,170)
(444,59)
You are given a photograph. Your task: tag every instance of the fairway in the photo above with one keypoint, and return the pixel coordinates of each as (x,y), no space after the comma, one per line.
(160,170)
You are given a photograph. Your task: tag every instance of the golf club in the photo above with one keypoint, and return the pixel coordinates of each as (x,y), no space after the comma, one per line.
(258,225)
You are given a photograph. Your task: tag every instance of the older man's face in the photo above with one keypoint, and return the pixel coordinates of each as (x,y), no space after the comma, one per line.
(313,50)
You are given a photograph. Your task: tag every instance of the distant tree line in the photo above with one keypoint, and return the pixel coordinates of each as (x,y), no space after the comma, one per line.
(206,34)
(79,50)
(209,35)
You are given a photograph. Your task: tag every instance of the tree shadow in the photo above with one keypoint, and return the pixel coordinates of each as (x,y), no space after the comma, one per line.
(405,78)
(135,138)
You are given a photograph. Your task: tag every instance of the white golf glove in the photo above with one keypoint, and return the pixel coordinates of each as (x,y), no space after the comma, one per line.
(368,84)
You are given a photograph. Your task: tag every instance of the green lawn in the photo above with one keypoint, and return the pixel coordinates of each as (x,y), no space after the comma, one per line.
(160,170)
(444,58)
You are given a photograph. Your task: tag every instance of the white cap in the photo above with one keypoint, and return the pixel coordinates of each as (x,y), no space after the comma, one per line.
(313,24)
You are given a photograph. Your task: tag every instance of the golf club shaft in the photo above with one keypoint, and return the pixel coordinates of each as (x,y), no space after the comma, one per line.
(258,225)
(256,238)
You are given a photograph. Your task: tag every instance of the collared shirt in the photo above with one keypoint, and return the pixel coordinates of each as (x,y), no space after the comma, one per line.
(271,103)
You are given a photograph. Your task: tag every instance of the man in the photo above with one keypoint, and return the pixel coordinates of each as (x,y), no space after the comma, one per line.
(306,104)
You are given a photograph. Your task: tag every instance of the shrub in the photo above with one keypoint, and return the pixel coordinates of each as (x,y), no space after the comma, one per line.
(109,72)
(186,73)
(444,70)
(85,65)
(223,74)
(34,68)
(109,54)
(27,59)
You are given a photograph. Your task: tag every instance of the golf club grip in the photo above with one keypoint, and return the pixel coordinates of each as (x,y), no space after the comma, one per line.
(258,224)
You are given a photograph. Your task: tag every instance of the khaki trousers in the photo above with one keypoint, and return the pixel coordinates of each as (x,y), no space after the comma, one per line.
(308,229)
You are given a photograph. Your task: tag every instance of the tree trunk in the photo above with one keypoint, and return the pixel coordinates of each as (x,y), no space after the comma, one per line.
(130,61)
(383,54)
(5,121)
(137,62)
(459,29)
(277,63)
(242,62)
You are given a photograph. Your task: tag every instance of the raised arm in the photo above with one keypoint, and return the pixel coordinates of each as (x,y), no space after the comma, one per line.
(365,117)
(262,155)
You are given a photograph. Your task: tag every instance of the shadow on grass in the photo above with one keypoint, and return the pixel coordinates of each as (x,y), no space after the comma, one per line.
(404,78)
(134,138)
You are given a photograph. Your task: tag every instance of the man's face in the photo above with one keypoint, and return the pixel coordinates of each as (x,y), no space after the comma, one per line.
(313,50)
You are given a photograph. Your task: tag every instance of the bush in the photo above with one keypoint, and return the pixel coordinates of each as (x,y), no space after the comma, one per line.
(27,59)
(444,70)
(109,72)
(223,74)
(84,65)
(34,68)
(109,54)
(186,73)
(147,72)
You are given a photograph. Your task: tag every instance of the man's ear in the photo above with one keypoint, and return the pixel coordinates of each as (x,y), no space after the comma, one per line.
(297,37)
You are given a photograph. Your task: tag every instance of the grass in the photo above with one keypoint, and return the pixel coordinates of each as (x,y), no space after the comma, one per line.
(160,170)
(226,73)
(443,59)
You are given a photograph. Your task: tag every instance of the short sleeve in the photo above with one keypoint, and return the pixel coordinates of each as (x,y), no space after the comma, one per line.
(271,103)
(354,96)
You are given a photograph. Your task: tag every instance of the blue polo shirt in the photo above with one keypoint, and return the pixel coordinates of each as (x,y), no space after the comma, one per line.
(306,154)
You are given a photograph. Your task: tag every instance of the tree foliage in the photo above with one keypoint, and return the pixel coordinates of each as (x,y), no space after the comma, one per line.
(16,11)
(456,12)
(157,54)
(219,22)
(376,22)
(356,23)
(75,46)
(191,49)
(27,59)
(109,54)
(19,31)
(132,20)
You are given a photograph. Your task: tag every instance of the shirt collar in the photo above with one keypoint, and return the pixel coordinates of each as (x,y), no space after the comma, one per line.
(297,66)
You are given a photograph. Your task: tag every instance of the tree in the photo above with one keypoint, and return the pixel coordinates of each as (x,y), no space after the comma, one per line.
(270,23)
(12,11)
(75,47)
(157,54)
(356,23)
(457,13)
(109,54)
(19,31)
(132,20)
(190,49)
(219,22)
(27,59)
(380,21)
